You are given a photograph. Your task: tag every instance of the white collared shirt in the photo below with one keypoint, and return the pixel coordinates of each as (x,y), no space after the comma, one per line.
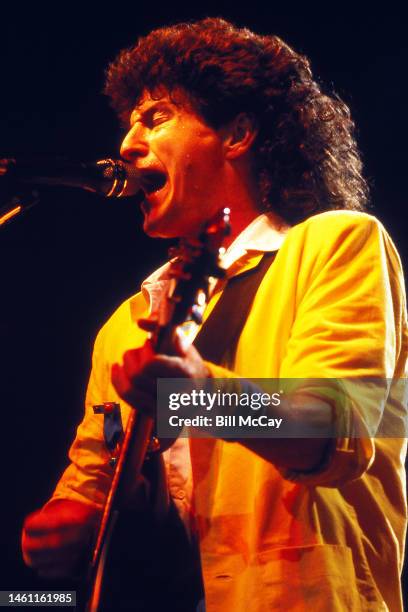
(262,235)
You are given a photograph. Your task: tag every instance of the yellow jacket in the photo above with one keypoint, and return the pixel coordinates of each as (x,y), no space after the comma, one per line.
(331,306)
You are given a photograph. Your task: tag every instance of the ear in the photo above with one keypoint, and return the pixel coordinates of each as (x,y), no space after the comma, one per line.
(239,135)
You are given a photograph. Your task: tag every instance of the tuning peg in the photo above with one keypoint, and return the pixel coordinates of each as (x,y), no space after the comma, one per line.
(176,253)
(196,315)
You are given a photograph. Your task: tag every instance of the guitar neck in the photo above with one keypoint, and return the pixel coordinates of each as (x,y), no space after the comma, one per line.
(199,260)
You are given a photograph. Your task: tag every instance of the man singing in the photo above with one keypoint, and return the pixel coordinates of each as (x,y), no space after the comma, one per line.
(219,116)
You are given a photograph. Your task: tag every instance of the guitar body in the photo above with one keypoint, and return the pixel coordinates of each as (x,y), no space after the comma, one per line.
(150,566)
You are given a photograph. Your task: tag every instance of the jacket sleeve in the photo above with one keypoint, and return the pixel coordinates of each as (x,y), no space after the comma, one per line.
(88,476)
(348,337)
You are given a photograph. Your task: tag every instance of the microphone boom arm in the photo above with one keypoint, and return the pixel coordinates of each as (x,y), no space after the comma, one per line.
(17,206)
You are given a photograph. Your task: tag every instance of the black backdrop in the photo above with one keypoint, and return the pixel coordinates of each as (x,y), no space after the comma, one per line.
(71,260)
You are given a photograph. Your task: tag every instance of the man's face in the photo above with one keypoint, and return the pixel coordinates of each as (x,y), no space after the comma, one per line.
(182,163)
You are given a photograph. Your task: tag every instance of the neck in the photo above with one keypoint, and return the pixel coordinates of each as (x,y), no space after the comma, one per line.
(241,196)
(240,219)
(243,200)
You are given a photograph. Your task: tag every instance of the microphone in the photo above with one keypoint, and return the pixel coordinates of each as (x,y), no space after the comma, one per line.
(111,178)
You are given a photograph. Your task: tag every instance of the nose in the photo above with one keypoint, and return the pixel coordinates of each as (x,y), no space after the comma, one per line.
(134,144)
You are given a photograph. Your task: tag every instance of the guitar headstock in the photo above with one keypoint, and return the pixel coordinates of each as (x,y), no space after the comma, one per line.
(193,262)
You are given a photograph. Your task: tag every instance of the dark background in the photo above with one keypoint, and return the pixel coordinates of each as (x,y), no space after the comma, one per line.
(70,261)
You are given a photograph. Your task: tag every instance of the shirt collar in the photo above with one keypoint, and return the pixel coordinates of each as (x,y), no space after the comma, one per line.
(264,234)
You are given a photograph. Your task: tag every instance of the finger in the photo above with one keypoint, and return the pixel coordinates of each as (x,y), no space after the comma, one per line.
(129,386)
(135,397)
(60,536)
(164,366)
(132,362)
(189,366)
(135,359)
(143,402)
(133,366)
(53,549)
(181,343)
(39,528)
(42,522)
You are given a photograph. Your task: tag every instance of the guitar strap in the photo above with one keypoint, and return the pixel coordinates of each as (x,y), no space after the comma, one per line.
(218,338)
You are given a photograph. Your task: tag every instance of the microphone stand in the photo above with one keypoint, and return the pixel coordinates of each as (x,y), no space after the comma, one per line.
(17,205)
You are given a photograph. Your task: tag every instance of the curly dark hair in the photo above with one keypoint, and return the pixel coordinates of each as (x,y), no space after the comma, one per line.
(306,156)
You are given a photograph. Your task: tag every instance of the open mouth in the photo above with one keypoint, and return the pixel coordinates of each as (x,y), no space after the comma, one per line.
(152,181)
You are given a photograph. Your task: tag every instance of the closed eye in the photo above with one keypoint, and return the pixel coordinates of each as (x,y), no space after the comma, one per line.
(151,117)
(156,116)
(159,117)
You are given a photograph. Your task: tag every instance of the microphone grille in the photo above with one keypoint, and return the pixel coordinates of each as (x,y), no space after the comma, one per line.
(124,177)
